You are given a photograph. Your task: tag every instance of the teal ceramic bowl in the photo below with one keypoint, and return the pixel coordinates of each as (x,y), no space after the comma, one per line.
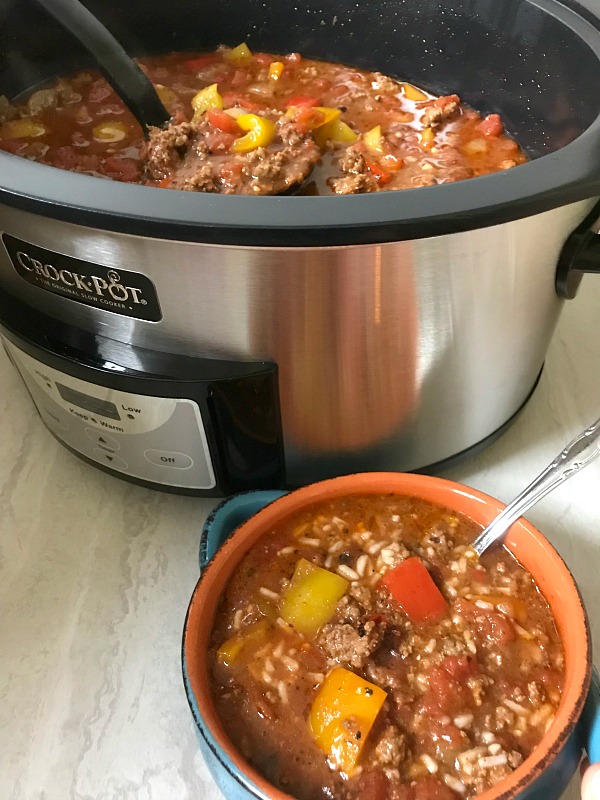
(239,521)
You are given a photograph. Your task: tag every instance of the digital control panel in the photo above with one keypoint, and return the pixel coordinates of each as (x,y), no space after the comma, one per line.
(157,439)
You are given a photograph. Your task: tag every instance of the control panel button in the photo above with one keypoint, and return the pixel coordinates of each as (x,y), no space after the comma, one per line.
(165,458)
(110,459)
(98,437)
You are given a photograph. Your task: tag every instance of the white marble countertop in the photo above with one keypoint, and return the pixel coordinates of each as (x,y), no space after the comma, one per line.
(96,575)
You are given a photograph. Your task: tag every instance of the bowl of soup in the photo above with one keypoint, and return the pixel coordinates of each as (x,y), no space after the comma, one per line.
(344,641)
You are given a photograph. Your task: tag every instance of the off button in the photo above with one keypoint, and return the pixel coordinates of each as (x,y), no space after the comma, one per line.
(165,458)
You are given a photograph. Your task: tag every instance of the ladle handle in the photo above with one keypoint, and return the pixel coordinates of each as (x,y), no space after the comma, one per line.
(576,455)
(119,69)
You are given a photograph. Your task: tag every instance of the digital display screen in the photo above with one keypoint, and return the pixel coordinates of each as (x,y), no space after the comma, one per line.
(93,404)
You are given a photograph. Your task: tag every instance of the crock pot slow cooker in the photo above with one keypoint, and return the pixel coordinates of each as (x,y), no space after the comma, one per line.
(211,344)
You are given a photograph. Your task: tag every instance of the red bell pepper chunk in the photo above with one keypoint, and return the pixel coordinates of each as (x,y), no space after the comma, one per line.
(381,175)
(491,125)
(413,588)
(222,121)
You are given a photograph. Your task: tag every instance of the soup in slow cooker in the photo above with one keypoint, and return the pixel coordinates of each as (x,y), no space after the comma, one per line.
(258,124)
(362,651)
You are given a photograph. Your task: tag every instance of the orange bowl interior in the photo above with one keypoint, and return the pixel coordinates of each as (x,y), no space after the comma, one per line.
(527,544)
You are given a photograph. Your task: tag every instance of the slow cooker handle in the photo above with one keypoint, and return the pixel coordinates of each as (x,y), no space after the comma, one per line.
(580,254)
(229,515)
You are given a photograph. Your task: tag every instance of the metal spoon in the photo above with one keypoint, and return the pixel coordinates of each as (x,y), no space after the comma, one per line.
(123,74)
(576,455)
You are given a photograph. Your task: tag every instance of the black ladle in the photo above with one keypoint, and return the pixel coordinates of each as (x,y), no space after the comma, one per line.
(123,74)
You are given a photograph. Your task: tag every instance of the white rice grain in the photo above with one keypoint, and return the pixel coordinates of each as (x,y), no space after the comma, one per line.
(454,784)
(268,593)
(237,619)
(307,540)
(290,663)
(516,707)
(484,604)
(347,572)
(285,551)
(430,646)
(487,762)
(283,692)
(430,763)
(363,565)
(463,720)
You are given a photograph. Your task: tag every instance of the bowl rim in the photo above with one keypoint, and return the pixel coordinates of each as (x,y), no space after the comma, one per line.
(578,665)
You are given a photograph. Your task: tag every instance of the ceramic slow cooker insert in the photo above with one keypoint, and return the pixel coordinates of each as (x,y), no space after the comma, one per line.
(211,344)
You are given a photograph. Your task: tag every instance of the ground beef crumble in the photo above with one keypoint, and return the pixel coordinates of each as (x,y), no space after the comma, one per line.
(195,157)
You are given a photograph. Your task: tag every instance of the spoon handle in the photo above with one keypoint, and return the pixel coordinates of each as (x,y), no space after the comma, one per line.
(576,455)
(124,75)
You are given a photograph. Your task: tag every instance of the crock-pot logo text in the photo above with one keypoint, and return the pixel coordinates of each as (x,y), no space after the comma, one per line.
(120,291)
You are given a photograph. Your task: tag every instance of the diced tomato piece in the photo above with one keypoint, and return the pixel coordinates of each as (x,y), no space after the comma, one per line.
(442,102)
(460,667)
(195,64)
(549,678)
(222,121)
(231,173)
(122,169)
(219,142)
(432,789)
(64,158)
(411,585)
(164,183)
(374,785)
(11,145)
(302,100)
(306,118)
(488,626)
(263,58)
(491,125)
(241,77)
(445,694)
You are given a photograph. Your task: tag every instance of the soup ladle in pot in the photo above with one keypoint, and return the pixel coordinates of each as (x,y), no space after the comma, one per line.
(576,455)
(121,71)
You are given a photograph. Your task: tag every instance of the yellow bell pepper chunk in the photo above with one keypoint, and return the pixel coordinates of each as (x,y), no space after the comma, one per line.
(232,647)
(374,140)
(206,99)
(342,715)
(427,138)
(22,129)
(335,131)
(311,598)
(261,132)
(110,132)
(240,53)
(412,93)
(275,70)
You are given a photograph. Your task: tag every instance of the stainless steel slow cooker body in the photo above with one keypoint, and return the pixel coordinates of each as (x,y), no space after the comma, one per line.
(407,327)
